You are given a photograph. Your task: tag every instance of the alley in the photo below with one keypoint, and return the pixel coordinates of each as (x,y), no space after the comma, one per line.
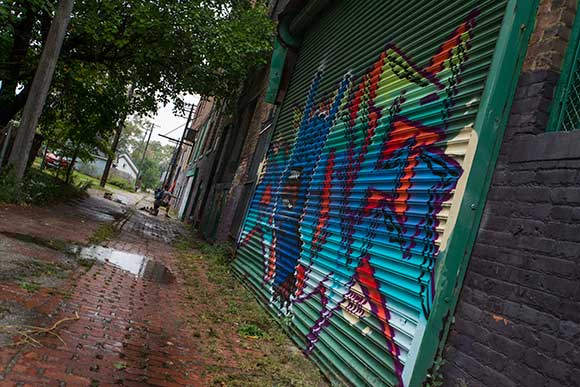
(143,308)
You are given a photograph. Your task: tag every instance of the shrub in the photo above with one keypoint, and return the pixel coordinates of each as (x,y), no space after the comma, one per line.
(121,183)
(37,188)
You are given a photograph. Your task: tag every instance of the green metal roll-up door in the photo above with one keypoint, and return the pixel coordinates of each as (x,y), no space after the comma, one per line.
(364,177)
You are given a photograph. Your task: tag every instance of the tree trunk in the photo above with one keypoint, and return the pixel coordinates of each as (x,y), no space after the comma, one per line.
(71,166)
(115,144)
(35,148)
(39,89)
(110,159)
(43,164)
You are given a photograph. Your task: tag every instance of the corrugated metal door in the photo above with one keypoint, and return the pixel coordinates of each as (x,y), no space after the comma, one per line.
(363,175)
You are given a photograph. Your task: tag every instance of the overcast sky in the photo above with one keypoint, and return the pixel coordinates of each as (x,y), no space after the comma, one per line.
(166,120)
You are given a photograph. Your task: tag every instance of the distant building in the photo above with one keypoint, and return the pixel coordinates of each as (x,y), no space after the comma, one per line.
(123,167)
(92,168)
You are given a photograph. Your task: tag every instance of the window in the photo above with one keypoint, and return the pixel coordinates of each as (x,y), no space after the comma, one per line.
(565,114)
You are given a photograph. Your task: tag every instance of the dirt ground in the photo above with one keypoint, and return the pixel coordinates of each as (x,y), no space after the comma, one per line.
(147,306)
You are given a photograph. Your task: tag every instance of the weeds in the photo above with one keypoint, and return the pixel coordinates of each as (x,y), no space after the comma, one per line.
(435,377)
(104,233)
(227,313)
(30,287)
(120,365)
(251,331)
(121,183)
(54,244)
(38,268)
(36,188)
(86,263)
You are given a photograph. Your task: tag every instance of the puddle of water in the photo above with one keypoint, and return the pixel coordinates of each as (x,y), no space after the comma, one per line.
(121,199)
(136,264)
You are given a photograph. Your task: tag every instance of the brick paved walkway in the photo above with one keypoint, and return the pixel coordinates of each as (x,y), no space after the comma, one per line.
(176,324)
(129,328)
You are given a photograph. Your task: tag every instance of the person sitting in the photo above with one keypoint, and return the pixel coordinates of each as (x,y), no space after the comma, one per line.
(162,199)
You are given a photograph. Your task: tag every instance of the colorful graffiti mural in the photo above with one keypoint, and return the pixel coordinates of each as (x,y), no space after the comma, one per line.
(368,160)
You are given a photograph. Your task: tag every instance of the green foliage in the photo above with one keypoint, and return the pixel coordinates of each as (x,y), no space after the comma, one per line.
(30,287)
(435,377)
(104,233)
(121,183)
(151,173)
(270,361)
(120,365)
(157,158)
(162,48)
(36,188)
(82,110)
(158,49)
(132,137)
(251,331)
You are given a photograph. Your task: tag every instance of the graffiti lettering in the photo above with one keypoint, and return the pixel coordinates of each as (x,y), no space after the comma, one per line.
(364,164)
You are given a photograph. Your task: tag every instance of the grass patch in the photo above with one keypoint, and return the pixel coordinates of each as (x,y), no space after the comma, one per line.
(66,294)
(79,179)
(238,333)
(38,188)
(38,268)
(86,263)
(251,331)
(104,233)
(120,365)
(122,184)
(82,179)
(30,287)
(54,244)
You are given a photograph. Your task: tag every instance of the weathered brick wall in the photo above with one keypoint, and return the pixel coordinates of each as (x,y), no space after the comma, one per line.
(518,317)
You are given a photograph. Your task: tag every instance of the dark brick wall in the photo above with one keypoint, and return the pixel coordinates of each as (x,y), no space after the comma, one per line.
(518,317)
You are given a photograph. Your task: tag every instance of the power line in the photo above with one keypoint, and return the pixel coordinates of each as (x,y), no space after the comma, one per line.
(187,105)
(174,129)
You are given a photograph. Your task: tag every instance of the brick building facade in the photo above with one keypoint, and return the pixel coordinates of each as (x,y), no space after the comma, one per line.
(518,317)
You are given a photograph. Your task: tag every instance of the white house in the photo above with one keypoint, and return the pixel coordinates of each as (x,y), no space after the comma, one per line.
(125,165)
(122,167)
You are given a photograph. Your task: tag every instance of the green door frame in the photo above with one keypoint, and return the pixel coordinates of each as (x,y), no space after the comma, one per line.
(490,125)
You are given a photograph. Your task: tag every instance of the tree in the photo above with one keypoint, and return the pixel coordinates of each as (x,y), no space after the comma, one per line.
(165,48)
(133,133)
(157,157)
(81,112)
(40,85)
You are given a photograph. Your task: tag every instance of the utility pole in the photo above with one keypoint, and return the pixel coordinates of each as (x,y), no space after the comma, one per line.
(177,151)
(175,157)
(115,144)
(39,88)
(146,146)
(171,167)
(140,174)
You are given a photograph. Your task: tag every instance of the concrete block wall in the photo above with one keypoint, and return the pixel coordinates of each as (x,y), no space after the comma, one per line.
(518,318)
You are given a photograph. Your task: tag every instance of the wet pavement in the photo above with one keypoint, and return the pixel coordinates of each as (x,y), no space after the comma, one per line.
(73,222)
(137,310)
(127,332)
(136,264)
